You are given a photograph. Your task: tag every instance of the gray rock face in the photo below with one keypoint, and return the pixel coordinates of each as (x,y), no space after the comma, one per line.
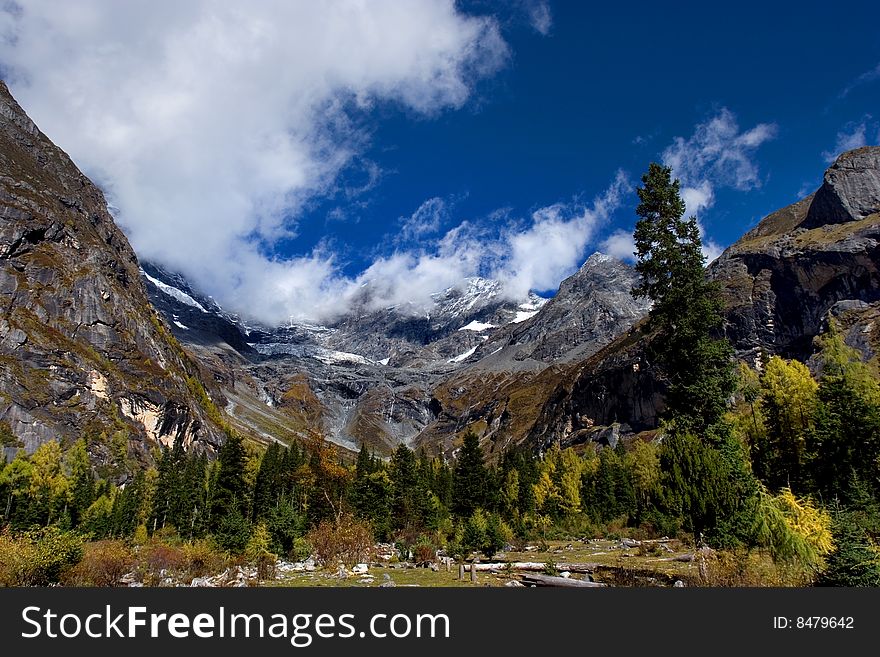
(83,352)
(850,190)
(782,281)
(591,308)
(378,377)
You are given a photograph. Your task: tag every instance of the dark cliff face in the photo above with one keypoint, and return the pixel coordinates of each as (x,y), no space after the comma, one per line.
(83,351)
(817,258)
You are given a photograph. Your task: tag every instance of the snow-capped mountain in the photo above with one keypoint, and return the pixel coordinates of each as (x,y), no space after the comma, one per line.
(368,376)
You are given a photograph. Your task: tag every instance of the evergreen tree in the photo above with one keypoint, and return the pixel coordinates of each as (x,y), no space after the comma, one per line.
(856,529)
(371,498)
(82,486)
(686,307)
(470,478)
(229,494)
(406,488)
(847,436)
(269,483)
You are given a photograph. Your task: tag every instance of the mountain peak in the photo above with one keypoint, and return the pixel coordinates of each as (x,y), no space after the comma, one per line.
(850,189)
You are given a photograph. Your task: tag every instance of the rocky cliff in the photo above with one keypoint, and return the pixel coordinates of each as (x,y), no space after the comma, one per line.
(782,281)
(84,353)
(818,256)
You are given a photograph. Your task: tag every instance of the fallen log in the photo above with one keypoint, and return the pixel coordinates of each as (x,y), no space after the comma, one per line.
(500,566)
(549,580)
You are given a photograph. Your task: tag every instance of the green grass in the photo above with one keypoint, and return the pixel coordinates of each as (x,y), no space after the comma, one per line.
(604,552)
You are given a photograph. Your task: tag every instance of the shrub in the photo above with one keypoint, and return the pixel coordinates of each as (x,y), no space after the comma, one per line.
(424,550)
(158,560)
(104,563)
(258,553)
(301,549)
(201,558)
(344,539)
(38,558)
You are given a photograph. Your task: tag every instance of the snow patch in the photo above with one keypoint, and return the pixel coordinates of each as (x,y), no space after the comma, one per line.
(185,328)
(462,357)
(173,292)
(309,351)
(385,361)
(476,326)
(523,315)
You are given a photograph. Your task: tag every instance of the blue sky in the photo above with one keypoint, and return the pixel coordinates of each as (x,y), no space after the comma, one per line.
(440,140)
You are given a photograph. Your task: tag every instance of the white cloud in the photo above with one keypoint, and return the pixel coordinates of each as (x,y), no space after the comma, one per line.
(425,220)
(853,135)
(210,124)
(524,256)
(540,256)
(620,245)
(540,16)
(864,78)
(717,155)
(698,198)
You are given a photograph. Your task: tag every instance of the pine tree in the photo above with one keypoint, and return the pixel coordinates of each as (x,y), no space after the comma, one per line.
(269,484)
(82,488)
(686,308)
(847,436)
(406,489)
(469,479)
(229,494)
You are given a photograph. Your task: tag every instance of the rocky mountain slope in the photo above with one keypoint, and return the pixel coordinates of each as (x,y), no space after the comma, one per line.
(819,255)
(782,281)
(84,353)
(386,377)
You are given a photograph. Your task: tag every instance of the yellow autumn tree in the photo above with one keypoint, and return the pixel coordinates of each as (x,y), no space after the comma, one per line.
(788,404)
(795,531)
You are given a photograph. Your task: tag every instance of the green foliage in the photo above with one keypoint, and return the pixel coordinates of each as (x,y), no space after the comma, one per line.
(82,479)
(855,528)
(7,438)
(285,526)
(474,533)
(229,492)
(97,520)
(609,490)
(696,483)
(258,551)
(847,436)
(788,402)
(469,478)
(687,307)
(233,532)
(557,492)
(371,498)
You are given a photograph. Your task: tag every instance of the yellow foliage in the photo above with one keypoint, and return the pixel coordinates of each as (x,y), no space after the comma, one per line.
(795,531)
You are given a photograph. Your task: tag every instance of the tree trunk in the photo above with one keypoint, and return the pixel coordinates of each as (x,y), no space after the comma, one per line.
(547,580)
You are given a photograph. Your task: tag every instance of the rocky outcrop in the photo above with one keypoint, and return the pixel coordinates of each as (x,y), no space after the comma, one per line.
(591,308)
(850,190)
(783,278)
(816,259)
(390,376)
(84,354)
